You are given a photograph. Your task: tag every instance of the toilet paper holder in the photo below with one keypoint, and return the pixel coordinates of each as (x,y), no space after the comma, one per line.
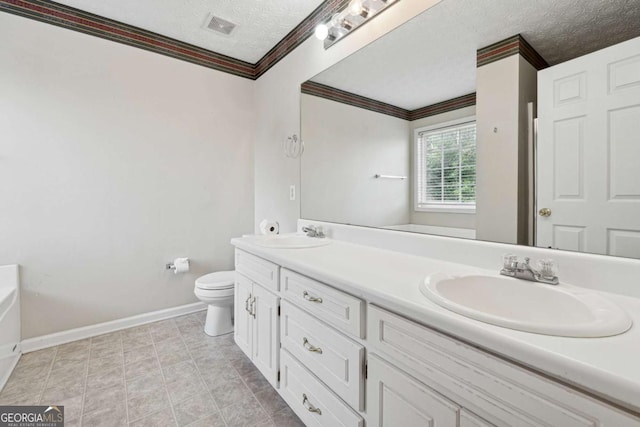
(172,265)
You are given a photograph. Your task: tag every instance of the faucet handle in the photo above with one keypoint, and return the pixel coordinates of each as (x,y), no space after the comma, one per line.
(510,262)
(547,268)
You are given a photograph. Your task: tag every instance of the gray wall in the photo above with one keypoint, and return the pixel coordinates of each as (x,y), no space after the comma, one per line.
(114,161)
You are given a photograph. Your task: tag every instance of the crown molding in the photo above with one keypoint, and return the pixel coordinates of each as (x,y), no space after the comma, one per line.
(77,20)
(511,46)
(343,97)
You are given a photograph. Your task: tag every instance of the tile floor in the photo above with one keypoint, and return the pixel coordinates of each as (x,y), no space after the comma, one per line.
(167,373)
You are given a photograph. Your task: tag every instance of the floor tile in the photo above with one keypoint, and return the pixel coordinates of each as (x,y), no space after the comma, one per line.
(72,408)
(246,412)
(230,392)
(271,401)
(115,416)
(214,420)
(107,397)
(70,359)
(108,378)
(36,357)
(144,384)
(106,349)
(142,367)
(28,397)
(194,408)
(256,382)
(57,391)
(185,388)
(167,359)
(286,418)
(180,370)
(139,353)
(131,342)
(112,337)
(146,404)
(104,364)
(167,373)
(159,419)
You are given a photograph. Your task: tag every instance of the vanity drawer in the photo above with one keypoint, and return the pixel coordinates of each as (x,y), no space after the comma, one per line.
(503,393)
(257,269)
(341,310)
(311,400)
(335,359)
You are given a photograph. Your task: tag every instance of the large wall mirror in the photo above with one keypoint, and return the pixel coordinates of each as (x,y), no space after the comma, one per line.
(502,120)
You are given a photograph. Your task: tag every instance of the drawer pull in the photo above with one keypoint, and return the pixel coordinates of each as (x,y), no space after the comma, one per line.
(306,344)
(308,297)
(253,307)
(246,304)
(309,406)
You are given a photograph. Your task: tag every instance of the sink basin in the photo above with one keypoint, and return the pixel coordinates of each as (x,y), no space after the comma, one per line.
(561,310)
(291,241)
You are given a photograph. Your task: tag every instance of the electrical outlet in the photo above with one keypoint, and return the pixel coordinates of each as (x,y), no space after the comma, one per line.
(292,192)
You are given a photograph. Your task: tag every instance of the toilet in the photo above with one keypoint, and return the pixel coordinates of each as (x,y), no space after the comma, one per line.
(216,290)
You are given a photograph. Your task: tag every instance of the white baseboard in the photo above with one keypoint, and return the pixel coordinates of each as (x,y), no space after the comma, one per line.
(51,340)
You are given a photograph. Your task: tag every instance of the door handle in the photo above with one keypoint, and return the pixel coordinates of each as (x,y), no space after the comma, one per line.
(309,406)
(308,297)
(312,348)
(545,212)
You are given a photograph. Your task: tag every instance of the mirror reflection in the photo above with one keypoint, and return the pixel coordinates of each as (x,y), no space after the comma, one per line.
(520,127)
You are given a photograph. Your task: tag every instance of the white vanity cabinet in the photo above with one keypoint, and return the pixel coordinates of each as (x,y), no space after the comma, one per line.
(256,329)
(336,366)
(480,384)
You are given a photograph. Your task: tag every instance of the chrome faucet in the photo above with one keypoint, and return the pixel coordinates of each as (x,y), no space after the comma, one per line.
(313,231)
(546,272)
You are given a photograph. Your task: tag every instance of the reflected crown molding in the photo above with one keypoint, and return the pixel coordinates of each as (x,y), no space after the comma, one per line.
(337,95)
(77,20)
(512,46)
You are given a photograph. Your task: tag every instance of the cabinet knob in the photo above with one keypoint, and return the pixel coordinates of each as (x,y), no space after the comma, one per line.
(309,406)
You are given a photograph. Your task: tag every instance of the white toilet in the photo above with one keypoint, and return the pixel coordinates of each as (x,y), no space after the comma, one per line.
(216,290)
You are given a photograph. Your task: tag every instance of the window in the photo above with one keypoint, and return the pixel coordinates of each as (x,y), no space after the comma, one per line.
(446,167)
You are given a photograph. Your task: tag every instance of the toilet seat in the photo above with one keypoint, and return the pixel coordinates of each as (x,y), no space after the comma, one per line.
(216,281)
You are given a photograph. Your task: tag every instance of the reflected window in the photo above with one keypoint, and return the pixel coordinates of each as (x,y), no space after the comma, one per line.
(445,170)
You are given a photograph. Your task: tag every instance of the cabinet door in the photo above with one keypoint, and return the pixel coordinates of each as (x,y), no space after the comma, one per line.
(469,419)
(266,340)
(395,399)
(243,321)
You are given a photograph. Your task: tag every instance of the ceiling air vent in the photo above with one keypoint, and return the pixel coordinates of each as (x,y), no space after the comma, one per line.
(219,25)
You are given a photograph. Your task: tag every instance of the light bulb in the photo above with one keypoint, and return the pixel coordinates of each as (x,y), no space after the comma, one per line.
(355,7)
(335,21)
(322,32)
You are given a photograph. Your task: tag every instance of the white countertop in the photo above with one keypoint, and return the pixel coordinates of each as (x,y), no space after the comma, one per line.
(608,367)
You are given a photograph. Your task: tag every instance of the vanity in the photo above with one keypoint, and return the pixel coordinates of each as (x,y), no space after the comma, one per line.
(344,334)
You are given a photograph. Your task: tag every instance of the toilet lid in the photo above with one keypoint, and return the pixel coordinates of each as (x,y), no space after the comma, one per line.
(217,280)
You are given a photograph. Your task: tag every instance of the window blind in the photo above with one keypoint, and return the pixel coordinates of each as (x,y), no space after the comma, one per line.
(446,167)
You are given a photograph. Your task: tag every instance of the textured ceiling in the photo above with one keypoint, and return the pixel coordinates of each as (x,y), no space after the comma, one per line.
(432,58)
(261,24)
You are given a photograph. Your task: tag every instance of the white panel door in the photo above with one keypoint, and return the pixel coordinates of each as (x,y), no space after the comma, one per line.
(243,320)
(265,333)
(588,170)
(396,399)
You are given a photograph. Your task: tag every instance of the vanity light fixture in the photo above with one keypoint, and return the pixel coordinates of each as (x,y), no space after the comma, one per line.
(353,16)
